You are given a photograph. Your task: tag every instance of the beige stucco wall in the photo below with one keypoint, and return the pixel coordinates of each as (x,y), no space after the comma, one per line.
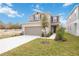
(35,23)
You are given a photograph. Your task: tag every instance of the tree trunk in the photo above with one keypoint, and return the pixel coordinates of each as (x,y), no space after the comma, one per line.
(45,32)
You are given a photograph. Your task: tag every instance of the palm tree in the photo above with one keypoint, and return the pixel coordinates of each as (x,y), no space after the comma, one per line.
(44,24)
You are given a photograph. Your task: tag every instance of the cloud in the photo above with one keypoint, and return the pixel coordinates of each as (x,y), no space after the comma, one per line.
(10,12)
(8,4)
(67,4)
(62,19)
(37,8)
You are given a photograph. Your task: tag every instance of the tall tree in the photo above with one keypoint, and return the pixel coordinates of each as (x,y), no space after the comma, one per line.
(44,24)
(13,26)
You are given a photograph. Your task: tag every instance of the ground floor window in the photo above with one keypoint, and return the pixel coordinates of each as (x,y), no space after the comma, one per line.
(75,27)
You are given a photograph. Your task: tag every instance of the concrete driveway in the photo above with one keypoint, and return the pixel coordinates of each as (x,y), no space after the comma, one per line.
(13,42)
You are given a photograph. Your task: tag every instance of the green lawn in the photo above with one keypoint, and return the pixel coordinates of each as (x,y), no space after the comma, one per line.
(54,48)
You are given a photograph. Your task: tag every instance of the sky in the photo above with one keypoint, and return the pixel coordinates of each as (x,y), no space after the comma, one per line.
(20,12)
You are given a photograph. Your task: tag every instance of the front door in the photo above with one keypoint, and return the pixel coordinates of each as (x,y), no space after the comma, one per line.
(53,29)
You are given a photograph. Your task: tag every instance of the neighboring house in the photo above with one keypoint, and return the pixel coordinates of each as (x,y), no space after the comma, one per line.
(33,27)
(72,25)
(2,26)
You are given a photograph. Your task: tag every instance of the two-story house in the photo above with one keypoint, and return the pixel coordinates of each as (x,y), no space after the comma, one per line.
(33,27)
(72,25)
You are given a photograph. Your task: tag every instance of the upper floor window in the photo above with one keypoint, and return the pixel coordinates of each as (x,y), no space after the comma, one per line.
(55,19)
(37,17)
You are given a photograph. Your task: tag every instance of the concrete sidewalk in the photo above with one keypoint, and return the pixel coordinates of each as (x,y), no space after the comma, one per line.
(53,36)
(13,42)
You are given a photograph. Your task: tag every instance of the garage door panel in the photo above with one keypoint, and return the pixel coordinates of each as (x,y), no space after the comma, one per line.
(33,31)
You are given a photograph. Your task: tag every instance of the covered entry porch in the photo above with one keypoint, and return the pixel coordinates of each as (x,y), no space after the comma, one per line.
(53,28)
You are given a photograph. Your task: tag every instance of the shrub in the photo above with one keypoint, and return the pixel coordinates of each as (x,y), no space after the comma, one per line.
(49,34)
(42,34)
(60,34)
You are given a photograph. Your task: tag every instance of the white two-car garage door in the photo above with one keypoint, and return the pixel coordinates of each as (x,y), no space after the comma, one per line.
(34,30)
